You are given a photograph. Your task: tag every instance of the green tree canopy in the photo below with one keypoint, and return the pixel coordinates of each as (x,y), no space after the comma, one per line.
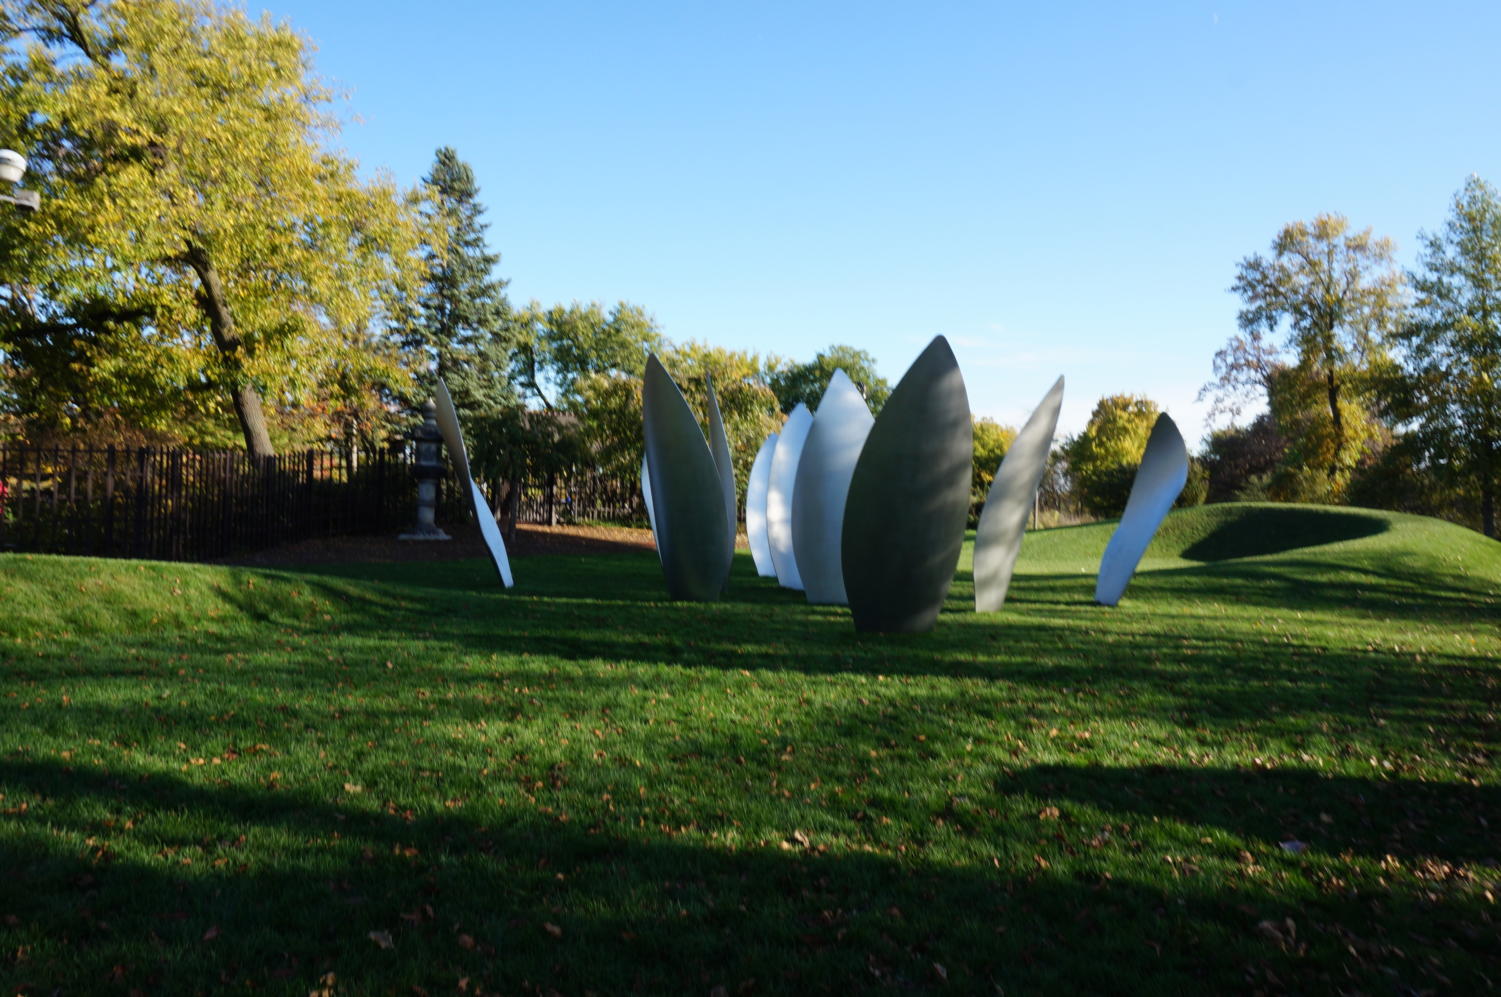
(1103,458)
(556,347)
(1451,349)
(1337,294)
(199,239)
(804,383)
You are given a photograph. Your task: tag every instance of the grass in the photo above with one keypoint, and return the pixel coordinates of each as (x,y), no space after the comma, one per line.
(1271,768)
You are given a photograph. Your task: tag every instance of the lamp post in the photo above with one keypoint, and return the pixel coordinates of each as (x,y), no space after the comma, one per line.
(12,169)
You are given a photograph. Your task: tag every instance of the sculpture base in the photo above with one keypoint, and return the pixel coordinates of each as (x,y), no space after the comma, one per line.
(433,534)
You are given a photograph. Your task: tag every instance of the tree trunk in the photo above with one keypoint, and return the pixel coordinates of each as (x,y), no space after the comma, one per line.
(1338,423)
(247,400)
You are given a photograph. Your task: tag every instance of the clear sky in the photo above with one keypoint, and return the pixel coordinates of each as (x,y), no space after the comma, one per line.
(1059,188)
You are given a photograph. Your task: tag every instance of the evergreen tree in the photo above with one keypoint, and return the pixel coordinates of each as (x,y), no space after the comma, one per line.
(465,328)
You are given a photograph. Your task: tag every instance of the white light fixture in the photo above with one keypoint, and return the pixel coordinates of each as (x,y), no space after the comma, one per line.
(12,166)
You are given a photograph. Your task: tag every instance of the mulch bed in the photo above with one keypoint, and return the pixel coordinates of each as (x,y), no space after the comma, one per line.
(466,543)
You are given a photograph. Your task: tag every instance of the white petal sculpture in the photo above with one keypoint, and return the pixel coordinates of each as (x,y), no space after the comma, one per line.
(693,539)
(724,463)
(779,495)
(1159,480)
(998,538)
(822,484)
(651,510)
(909,498)
(448,422)
(755,508)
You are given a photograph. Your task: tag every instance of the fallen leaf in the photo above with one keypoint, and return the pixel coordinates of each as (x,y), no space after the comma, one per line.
(552,929)
(466,941)
(211,933)
(382,938)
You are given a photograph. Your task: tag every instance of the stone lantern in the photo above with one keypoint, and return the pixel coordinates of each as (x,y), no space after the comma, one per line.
(428,469)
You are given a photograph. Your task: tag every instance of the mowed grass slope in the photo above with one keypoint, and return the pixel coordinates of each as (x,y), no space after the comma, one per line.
(1272,767)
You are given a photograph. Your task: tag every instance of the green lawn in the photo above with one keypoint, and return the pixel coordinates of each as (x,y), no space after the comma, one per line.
(400,779)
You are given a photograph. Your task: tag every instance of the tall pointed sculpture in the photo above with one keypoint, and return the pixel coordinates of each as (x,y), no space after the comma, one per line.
(448,422)
(822,484)
(755,508)
(909,498)
(779,495)
(998,538)
(719,446)
(1159,480)
(692,535)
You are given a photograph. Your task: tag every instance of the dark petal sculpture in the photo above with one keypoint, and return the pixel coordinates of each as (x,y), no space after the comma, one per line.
(1159,479)
(822,485)
(908,499)
(448,422)
(755,508)
(998,538)
(719,446)
(779,495)
(692,536)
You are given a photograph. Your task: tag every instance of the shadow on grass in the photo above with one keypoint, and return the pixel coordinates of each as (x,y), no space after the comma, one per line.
(1334,815)
(219,886)
(1261,530)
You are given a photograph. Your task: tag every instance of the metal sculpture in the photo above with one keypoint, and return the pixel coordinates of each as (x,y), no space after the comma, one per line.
(998,538)
(779,495)
(691,533)
(909,499)
(755,509)
(724,463)
(822,484)
(448,422)
(1159,480)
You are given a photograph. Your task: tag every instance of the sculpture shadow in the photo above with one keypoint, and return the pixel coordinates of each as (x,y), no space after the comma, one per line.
(1260,530)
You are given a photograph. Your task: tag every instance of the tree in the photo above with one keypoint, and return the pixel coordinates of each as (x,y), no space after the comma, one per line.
(558,346)
(1451,349)
(805,383)
(1241,460)
(1102,459)
(464,327)
(1338,294)
(200,239)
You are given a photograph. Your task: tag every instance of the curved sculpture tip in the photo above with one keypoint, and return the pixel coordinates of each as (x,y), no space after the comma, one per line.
(1159,480)
(719,447)
(755,508)
(448,424)
(822,485)
(779,491)
(692,536)
(1003,520)
(909,498)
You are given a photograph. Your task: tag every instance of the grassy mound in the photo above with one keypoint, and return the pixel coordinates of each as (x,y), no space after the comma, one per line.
(1272,767)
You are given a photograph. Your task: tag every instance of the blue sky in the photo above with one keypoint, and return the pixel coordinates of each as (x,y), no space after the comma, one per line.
(1058,188)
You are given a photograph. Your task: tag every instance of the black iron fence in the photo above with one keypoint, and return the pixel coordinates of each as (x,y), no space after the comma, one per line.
(172,504)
